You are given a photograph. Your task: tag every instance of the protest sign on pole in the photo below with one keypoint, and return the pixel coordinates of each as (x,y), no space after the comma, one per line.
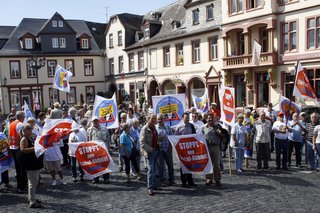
(201,103)
(29,114)
(107,111)
(53,131)
(227,103)
(286,106)
(192,153)
(171,106)
(93,157)
(61,79)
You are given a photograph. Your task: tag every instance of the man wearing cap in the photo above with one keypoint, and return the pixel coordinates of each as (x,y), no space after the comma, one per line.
(214,110)
(99,133)
(261,132)
(56,113)
(281,132)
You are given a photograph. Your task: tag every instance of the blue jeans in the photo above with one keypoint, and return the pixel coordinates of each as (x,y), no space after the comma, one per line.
(311,156)
(74,168)
(239,158)
(152,162)
(318,154)
(165,157)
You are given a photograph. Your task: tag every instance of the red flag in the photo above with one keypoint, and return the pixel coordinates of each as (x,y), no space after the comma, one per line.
(302,88)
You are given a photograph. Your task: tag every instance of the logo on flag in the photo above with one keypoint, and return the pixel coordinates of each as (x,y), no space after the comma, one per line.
(107,111)
(61,79)
(171,106)
(192,153)
(29,114)
(287,106)
(93,158)
(302,87)
(227,105)
(201,103)
(53,131)
(6,159)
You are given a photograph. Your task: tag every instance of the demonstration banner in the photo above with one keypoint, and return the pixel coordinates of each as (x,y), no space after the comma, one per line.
(227,101)
(302,87)
(171,106)
(192,153)
(29,114)
(53,131)
(287,106)
(93,157)
(61,79)
(201,103)
(107,111)
(6,159)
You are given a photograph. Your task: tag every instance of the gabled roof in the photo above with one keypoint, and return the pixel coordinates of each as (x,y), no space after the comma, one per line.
(97,30)
(34,26)
(129,21)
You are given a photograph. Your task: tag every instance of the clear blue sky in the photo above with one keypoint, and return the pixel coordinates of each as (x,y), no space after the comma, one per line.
(13,11)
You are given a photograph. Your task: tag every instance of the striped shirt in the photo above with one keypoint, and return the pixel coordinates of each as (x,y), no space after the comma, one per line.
(310,128)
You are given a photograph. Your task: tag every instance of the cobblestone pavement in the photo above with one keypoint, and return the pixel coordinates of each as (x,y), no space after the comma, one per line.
(293,190)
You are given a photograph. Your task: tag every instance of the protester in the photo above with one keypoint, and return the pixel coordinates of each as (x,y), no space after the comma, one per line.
(295,139)
(239,137)
(214,110)
(89,113)
(78,135)
(83,111)
(186,128)
(303,121)
(261,133)
(99,133)
(130,116)
(41,119)
(316,145)
(135,135)
(281,141)
(272,117)
(310,151)
(196,122)
(149,142)
(127,150)
(165,154)
(31,164)
(36,131)
(248,122)
(14,140)
(213,134)
(56,113)
(116,136)
(4,148)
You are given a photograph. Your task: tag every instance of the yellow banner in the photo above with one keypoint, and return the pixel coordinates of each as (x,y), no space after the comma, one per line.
(172,108)
(105,111)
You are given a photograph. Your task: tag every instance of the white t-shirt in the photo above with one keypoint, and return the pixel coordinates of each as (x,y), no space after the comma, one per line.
(80,136)
(317,133)
(277,126)
(53,153)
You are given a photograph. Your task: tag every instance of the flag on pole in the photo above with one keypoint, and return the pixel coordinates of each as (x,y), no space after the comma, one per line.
(256,52)
(61,79)
(302,87)
(227,101)
(287,106)
(29,114)
(201,103)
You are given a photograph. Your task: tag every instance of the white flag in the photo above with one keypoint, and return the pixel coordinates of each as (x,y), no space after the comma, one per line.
(256,52)
(61,79)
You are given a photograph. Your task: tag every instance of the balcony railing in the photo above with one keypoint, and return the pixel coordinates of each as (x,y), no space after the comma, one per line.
(246,60)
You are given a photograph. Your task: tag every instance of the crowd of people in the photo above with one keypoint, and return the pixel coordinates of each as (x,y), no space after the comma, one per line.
(142,139)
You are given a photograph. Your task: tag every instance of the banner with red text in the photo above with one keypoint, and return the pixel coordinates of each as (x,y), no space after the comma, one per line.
(93,157)
(192,153)
(53,131)
(227,104)
(302,87)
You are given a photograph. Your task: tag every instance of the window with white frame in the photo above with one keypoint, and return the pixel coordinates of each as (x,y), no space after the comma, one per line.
(196,52)
(120,38)
(195,16)
(62,42)
(60,23)
(88,67)
(31,73)
(111,66)
(51,67)
(213,48)
(166,56)
(110,40)
(131,62)
(210,12)
(54,23)
(15,69)
(55,43)
(120,64)
(85,43)
(141,60)
(147,31)
(179,54)
(28,42)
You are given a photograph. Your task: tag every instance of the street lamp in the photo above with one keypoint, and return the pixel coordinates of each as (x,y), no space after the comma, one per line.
(35,64)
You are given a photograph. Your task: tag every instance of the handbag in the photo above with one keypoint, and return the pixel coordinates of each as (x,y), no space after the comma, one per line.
(135,151)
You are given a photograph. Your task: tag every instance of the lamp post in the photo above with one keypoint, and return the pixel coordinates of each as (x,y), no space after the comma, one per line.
(35,64)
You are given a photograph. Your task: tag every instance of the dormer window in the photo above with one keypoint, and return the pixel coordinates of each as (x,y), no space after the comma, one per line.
(60,23)
(176,24)
(139,35)
(195,16)
(54,24)
(28,43)
(84,43)
(147,31)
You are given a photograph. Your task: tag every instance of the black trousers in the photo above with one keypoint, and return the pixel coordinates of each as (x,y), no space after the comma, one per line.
(281,148)
(64,151)
(105,177)
(133,160)
(263,150)
(22,179)
(186,178)
(5,177)
(297,148)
